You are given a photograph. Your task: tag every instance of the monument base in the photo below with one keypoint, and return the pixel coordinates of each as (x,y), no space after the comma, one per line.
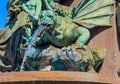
(56,77)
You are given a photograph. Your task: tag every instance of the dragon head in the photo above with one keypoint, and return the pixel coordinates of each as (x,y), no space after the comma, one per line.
(48,19)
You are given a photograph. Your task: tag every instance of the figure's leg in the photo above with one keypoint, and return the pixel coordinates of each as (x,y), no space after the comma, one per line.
(82,39)
(82,35)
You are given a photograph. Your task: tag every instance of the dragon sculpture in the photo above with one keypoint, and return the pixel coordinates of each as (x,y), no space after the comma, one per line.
(69,29)
(72,30)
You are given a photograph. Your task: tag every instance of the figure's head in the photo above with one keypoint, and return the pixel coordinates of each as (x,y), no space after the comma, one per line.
(48,19)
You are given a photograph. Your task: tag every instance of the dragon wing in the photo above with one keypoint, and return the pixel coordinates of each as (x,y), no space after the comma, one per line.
(92,13)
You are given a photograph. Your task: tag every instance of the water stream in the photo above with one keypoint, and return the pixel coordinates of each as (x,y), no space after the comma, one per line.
(33,39)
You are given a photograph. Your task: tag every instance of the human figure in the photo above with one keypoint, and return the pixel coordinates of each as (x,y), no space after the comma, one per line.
(10,37)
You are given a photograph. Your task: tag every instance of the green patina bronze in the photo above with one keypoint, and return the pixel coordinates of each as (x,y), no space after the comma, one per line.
(118,15)
(65,29)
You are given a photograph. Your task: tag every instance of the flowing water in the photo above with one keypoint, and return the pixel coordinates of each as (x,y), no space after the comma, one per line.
(36,33)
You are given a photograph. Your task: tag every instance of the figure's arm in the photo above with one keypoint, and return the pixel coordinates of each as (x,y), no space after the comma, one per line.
(46,4)
(26,9)
(51,3)
(38,9)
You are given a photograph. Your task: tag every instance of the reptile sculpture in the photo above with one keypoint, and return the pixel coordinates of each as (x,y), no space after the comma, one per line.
(71,30)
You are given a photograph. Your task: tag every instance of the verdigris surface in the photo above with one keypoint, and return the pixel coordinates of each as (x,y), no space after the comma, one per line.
(118,15)
(44,35)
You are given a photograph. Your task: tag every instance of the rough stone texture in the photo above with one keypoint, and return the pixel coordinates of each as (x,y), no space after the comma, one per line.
(107,38)
(56,78)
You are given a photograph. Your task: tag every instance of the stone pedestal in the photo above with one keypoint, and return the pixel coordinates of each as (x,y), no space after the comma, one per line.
(56,78)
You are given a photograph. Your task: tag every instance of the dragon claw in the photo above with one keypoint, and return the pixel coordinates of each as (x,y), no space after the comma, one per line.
(73,47)
(69,49)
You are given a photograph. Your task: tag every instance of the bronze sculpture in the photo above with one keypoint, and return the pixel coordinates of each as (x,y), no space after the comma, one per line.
(64,30)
